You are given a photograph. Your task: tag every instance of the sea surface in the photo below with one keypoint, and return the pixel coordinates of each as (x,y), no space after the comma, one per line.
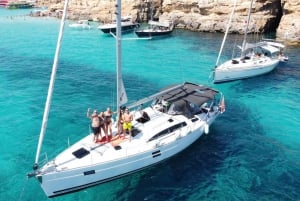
(252,152)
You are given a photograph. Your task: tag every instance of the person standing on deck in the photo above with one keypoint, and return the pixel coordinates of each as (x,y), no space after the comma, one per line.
(119,124)
(102,124)
(108,122)
(95,123)
(127,119)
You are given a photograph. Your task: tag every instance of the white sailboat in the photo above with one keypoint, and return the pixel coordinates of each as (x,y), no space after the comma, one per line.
(255,59)
(164,124)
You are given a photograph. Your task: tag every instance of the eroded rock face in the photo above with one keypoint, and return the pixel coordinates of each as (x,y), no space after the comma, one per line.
(289,27)
(213,15)
(197,15)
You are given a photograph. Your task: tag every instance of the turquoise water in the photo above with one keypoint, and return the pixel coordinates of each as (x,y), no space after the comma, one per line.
(251,153)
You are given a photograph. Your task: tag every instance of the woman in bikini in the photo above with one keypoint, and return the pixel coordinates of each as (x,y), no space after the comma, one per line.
(108,122)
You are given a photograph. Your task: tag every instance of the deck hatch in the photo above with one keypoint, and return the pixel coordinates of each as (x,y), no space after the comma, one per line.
(118,147)
(80,153)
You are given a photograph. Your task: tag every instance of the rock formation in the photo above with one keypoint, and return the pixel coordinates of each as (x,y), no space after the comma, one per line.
(289,27)
(280,16)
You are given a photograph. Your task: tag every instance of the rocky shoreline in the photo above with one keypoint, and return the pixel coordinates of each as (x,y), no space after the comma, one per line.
(280,16)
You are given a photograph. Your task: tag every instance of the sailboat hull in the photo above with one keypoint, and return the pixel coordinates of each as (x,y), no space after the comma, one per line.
(60,176)
(153,33)
(156,29)
(237,69)
(111,28)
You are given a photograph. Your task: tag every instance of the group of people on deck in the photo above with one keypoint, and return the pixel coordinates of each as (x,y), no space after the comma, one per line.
(103,121)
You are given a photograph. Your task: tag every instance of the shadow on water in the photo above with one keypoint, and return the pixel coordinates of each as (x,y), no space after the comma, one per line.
(198,166)
(233,153)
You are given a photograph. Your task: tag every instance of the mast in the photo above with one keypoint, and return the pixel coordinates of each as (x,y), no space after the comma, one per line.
(118,54)
(51,86)
(226,33)
(246,29)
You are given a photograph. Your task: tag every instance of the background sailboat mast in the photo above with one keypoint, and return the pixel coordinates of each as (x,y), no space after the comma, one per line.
(118,53)
(51,85)
(226,33)
(152,10)
(246,30)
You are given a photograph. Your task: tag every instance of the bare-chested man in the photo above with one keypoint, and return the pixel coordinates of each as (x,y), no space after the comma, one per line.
(127,119)
(95,123)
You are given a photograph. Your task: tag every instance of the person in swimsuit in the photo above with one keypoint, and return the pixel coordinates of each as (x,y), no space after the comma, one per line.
(127,119)
(108,122)
(120,121)
(102,124)
(95,123)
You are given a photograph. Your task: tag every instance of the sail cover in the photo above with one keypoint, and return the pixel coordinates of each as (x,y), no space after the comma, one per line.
(123,95)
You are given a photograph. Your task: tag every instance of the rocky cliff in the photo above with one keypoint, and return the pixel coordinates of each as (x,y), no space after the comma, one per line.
(280,16)
(289,27)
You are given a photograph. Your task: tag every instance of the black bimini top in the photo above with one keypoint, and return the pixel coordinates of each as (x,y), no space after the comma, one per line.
(193,93)
(181,99)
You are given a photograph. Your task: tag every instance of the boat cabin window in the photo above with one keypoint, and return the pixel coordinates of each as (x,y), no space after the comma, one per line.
(168,131)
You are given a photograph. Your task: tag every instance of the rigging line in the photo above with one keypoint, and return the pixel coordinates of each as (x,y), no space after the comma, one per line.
(246,30)
(51,85)
(23,190)
(233,51)
(226,32)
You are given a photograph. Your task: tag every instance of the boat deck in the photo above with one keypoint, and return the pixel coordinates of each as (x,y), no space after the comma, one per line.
(88,152)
